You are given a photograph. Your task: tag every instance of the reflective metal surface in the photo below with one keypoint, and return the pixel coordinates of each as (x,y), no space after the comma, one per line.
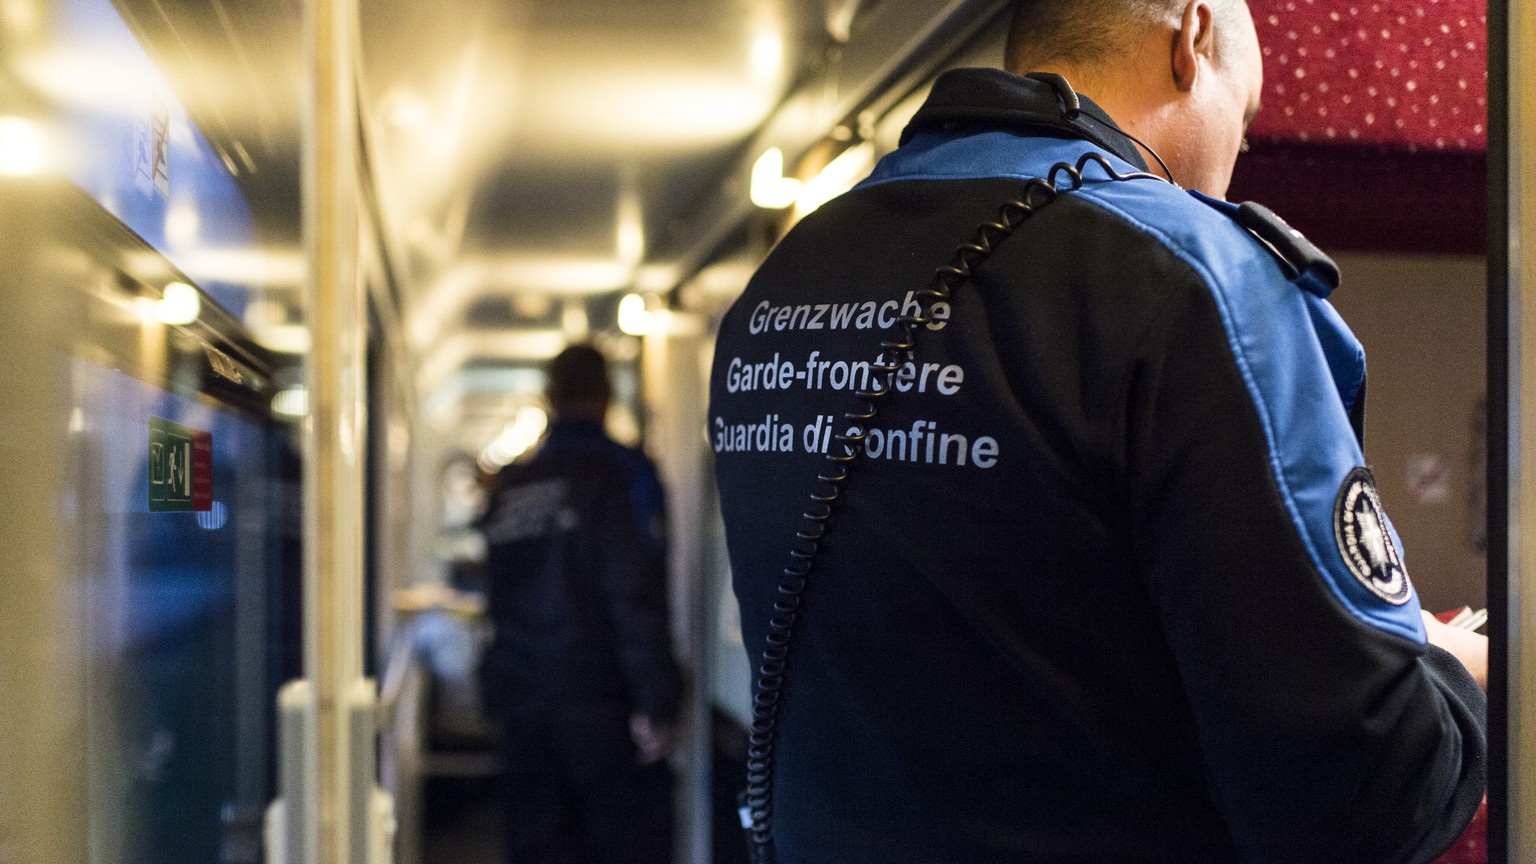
(335,433)
(144,549)
(1519,698)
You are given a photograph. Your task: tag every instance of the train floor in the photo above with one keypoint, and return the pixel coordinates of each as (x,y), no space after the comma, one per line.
(461,821)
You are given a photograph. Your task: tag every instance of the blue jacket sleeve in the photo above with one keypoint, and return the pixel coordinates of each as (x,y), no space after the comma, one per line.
(1330,731)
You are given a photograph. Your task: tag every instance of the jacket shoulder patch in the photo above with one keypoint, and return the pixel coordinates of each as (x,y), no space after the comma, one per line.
(1365,541)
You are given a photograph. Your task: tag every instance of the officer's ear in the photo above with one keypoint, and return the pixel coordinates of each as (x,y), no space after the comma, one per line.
(1195,40)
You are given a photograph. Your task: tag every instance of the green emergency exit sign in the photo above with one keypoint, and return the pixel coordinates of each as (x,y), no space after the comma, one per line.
(180,467)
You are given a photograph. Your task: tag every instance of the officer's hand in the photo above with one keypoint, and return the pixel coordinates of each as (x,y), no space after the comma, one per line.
(653,741)
(1468,647)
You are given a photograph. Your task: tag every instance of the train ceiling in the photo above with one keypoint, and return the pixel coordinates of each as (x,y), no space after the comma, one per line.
(536,156)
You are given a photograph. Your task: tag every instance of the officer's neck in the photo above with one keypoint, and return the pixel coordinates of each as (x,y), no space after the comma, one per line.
(581,412)
(1140,101)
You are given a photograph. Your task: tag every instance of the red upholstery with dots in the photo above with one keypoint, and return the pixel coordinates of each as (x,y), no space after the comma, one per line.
(1375,123)
(1401,74)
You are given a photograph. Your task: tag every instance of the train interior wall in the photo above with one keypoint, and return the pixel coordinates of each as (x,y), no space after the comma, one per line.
(1422,321)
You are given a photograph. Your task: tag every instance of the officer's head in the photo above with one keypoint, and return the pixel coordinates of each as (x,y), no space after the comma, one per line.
(1183,75)
(578,383)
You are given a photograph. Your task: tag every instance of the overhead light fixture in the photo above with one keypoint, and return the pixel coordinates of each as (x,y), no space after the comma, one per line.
(22,149)
(630,229)
(656,278)
(640,315)
(527,304)
(292,403)
(650,112)
(725,279)
(767,56)
(269,324)
(575,321)
(271,268)
(840,17)
(516,439)
(838,177)
(179,304)
(460,347)
(771,190)
(285,338)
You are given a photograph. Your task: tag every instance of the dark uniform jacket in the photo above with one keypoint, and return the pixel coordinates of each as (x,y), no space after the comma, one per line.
(575,563)
(1111,582)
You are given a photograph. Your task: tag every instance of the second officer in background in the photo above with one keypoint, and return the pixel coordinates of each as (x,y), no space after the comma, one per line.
(580,673)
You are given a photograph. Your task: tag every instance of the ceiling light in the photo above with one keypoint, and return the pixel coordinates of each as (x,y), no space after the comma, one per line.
(575,321)
(636,316)
(648,112)
(265,313)
(630,238)
(840,18)
(657,278)
(180,304)
(727,278)
(767,57)
(838,177)
(460,347)
(516,439)
(530,305)
(92,76)
(292,402)
(22,151)
(284,338)
(771,190)
(267,267)
(457,287)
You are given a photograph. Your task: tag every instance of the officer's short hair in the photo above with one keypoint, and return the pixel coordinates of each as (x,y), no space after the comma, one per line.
(578,375)
(1086,32)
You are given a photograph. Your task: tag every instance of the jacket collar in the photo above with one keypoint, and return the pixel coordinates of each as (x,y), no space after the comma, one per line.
(575,429)
(972,99)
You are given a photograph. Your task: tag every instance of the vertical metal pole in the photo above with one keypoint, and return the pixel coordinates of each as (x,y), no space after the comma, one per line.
(335,431)
(44,794)
(1515,30)
(1500,340)
(673,363)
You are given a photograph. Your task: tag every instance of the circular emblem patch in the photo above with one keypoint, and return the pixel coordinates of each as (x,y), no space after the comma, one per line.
(1360,527)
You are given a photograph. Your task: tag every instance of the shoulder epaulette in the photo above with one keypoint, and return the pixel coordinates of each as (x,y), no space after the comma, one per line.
(1305,264)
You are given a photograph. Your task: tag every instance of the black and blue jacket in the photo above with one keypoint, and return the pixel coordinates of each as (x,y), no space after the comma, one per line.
(576,569)
(1112,582)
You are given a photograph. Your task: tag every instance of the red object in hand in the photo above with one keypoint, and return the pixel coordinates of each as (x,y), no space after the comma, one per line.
(1472,846)
(1449,615)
